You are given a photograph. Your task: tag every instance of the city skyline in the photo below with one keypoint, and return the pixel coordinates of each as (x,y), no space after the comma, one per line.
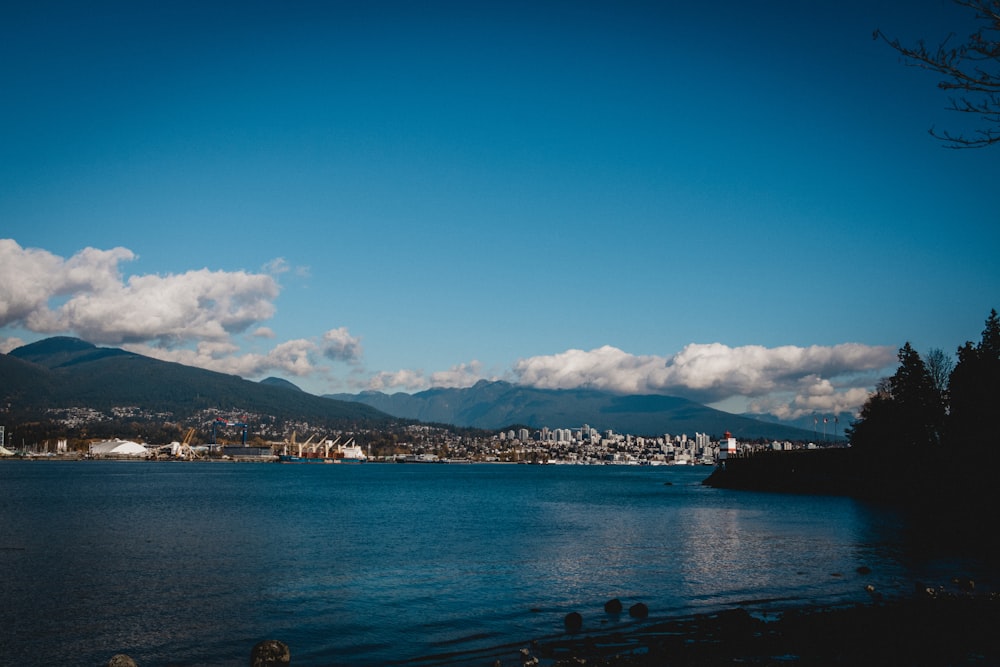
(735,204)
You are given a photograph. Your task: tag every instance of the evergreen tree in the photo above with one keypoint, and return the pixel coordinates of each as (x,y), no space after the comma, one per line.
(872,433)
(974,393)
(921,410)
(898,430)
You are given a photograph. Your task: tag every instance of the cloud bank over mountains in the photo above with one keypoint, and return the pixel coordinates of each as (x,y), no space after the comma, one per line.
(714,372)
(198,317)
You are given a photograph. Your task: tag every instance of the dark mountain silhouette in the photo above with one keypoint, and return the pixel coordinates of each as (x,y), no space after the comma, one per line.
(279,382)
(67,372)
(496,405)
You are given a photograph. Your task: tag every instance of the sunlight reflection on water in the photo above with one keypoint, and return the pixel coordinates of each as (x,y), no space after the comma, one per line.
(192,564)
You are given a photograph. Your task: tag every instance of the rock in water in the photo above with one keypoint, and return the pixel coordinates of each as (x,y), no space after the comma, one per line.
(121,660)
(270,653)
(638,610)
(613,606)
(573,622)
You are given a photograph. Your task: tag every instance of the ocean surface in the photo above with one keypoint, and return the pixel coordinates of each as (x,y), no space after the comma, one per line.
(193,563)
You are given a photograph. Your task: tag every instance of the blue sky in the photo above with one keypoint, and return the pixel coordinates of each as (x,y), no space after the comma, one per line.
(736,202)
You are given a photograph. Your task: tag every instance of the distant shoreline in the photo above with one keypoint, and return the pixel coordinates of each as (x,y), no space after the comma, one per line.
(240,459)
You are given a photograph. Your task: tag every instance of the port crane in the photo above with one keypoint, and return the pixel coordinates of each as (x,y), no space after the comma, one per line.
(219,421)
(184,450)
(328,445)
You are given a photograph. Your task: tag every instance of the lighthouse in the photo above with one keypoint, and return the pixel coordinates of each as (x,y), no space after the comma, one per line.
(727,448)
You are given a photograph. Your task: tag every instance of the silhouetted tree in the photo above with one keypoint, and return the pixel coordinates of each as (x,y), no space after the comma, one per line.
(974,392)
(921,407)
(939,366)
(899,429)
(872,433)
(971,71)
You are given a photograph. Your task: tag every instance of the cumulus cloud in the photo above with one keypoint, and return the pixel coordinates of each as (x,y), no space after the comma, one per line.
(197,305)
(294,357)
(94,301)
(31,277)
(340,345)
(815,396)
(606,368)
(299,357)
(713,372)
(189,318)
(410,380)
(460,375)
(787,381)
(8,344)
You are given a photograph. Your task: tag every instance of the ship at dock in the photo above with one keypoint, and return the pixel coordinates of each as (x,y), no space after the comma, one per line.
(327,451)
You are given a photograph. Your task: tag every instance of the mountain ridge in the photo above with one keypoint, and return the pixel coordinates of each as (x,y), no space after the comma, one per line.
(494,405)
(66,372)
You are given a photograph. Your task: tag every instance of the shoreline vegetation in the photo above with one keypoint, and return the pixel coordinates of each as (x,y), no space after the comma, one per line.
(924,442)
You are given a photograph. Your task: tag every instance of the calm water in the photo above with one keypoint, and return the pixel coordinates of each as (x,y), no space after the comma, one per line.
(192,564)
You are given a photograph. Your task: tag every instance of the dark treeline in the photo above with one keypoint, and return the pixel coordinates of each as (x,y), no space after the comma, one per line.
(928,434)
(925,439)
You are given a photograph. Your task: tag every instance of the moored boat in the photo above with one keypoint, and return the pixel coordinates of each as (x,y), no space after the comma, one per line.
(327,452)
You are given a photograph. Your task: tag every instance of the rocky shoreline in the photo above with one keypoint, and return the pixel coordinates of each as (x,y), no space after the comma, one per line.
(933,629)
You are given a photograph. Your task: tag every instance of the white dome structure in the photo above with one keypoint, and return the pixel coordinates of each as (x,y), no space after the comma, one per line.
(118,449)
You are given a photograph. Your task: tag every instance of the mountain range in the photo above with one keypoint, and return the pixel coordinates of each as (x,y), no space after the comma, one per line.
(497,405)
(64,372)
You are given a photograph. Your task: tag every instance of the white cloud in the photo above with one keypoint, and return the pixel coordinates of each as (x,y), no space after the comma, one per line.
(713,372)
(276,266)
(197,305)
(717,371)
(787,381)
(340,345)
(293,357)
(189,318)
(96,303)
(8,344)
(606,368)
(815,395)
(31,277)
(461,375)
(410,380)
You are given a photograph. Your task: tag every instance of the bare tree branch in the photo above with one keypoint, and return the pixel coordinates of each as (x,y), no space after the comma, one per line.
(971,68)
